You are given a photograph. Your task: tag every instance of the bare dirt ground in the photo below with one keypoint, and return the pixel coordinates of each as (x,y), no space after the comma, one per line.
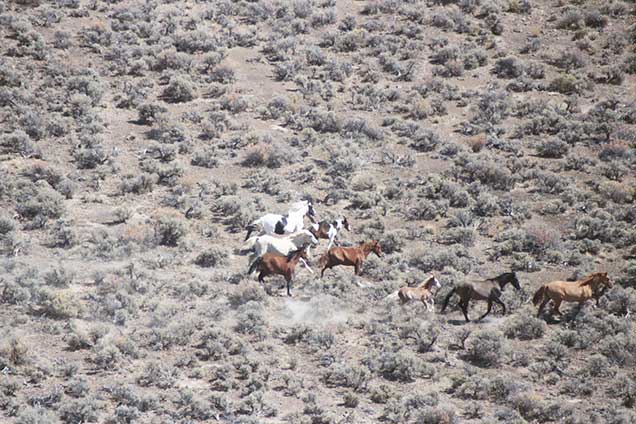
(471,138)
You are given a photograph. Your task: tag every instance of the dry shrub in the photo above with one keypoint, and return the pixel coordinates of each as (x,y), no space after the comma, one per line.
(137,233)
(476,143)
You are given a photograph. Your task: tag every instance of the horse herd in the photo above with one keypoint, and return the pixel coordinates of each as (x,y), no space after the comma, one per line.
(283,242)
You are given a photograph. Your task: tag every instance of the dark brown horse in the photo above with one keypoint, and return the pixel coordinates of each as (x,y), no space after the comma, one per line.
(487,290)
(349,256)
(273,264)
(591,287)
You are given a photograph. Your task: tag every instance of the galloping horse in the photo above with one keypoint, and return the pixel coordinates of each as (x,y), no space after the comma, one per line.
(487,290)
(425,292)
(281,245)
(272,223)
(329,230)
(591,287)
(349,256)
(271,264)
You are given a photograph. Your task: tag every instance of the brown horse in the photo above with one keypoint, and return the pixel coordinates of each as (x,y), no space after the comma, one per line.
(487,290)
(272,264)
(349,256)
(425,292)
(591,287)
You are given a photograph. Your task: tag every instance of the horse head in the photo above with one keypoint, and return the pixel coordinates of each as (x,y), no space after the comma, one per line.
(305,207)
(306,237)
(601,278)
(432,282)
(345,223)
(376,248)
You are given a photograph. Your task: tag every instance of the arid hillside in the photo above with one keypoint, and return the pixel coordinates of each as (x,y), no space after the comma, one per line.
(139,138)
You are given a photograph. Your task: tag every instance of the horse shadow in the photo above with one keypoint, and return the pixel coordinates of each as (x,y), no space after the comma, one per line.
(457,322)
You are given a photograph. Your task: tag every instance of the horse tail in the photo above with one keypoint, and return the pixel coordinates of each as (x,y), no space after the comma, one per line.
(248,246)
(538,296)
(254,265)
(251,227)
(447,299)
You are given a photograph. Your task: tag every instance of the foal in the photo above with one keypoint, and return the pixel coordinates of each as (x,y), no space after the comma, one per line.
(349,256)
(329,230)
(487,290)
(272,264)
(424,292)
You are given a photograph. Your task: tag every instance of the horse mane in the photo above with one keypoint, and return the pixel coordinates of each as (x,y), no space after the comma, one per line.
(590,278)
(367,245)
(428,280)
(293,253)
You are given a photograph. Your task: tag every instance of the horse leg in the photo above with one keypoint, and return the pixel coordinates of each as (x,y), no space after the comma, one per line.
(499,302)
(322,273)
(429,307)
(357,267)
(330,243)
(289,280)
(487,311)
(464,306)
(452,292)
(540,311)
(555,308)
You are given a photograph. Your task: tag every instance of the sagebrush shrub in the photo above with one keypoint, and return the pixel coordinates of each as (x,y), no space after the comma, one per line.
(485,348)
(526,328)
(180,89)
(553,148)
(211,258)
(169,231)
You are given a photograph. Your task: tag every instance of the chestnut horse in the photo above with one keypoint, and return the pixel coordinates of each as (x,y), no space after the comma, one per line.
(487,290)
(425,292)
(272,264)
(591,287)
(349,256)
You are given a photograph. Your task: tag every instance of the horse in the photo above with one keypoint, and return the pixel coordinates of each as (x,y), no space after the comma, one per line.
(425,292)
(349,256)
(281,245)
(283,224)
(329,230)
(591,287)
(273,264)
(488,290)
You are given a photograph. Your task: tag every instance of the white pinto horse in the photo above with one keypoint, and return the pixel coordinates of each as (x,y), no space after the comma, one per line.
(281,245)
(272,223)
(329,230)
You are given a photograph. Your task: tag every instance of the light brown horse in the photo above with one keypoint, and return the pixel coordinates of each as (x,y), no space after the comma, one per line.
(273,264)
(487,290)
(425,292)
(349,256)
(591,287)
